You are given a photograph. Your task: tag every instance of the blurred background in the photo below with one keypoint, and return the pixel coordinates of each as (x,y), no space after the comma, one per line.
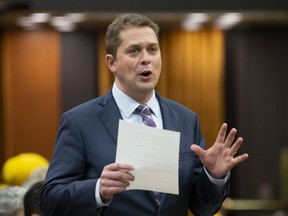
(226,60)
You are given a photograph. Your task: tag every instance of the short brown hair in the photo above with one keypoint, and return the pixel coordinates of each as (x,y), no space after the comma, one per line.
(112,36)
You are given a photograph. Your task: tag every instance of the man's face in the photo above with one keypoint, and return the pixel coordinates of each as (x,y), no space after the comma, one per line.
(137,66)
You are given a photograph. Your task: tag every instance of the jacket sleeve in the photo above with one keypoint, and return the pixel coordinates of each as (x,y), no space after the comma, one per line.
(206,198)
(66,190)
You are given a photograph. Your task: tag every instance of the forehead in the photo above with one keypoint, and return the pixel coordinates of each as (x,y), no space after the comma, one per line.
(138,35)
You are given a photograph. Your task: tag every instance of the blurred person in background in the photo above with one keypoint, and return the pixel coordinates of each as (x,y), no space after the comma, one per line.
(11,201)
(38,174)
(19,173)
(24,169)
(31,206)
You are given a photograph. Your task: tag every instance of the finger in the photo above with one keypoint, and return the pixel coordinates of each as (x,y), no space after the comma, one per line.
(113,183)
(107,192)
(235,147)
(119,166)
(110,191)
(222,133)
(240,158)
(109,187)
(230,138)
(117,175)
(197,150)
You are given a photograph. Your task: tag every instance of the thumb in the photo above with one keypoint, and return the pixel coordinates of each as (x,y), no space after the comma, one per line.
(197,150)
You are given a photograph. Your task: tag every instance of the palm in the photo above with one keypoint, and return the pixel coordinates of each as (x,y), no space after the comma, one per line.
(219,159)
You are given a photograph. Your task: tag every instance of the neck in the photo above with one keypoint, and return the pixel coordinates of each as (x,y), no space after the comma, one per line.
(142,98)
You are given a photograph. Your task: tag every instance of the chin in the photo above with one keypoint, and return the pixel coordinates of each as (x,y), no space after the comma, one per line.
(148,87)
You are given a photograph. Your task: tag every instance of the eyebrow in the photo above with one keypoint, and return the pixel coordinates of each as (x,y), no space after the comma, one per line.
(150,44)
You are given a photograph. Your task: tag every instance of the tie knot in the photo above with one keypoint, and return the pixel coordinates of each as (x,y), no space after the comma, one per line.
(143,110)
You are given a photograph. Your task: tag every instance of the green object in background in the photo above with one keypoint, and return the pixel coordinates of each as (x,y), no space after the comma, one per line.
(284,177)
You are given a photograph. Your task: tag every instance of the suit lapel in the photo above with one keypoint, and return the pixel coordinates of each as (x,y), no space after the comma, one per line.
(168,115)
(110,114)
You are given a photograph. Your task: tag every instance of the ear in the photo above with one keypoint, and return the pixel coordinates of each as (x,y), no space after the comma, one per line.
(110,61)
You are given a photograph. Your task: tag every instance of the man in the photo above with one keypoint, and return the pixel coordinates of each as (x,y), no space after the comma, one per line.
(83,178)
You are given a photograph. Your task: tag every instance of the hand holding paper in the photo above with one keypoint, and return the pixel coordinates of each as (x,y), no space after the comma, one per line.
(154,154)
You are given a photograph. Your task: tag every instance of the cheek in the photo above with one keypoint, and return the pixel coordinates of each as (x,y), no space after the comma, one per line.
(127,67)
(123,62)
(158,60)
(158,65)
(124,70)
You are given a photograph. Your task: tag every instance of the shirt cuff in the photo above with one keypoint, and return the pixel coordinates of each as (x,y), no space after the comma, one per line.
(99,202)
(218,182)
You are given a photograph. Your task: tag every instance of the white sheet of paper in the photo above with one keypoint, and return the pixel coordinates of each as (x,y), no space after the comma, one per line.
(153,152)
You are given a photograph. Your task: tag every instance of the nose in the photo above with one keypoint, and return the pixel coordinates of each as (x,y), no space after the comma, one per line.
(145,57)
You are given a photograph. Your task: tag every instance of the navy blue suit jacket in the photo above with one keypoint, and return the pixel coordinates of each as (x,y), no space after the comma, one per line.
(86,142)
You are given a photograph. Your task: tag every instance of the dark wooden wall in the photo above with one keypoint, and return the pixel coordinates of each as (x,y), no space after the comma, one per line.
(257,104)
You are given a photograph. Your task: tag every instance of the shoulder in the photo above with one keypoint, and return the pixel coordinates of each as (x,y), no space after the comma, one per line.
(166,103)
(92,106)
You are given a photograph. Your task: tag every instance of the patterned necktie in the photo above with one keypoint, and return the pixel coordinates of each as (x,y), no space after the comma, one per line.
(145,111)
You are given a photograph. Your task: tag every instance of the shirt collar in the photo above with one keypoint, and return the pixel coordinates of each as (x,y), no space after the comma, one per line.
(127,105)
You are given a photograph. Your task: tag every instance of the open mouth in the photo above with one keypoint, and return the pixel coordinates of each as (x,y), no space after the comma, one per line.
(146,73)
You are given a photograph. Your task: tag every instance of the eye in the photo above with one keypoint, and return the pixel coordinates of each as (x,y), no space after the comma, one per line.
(133,51)
(153,50)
